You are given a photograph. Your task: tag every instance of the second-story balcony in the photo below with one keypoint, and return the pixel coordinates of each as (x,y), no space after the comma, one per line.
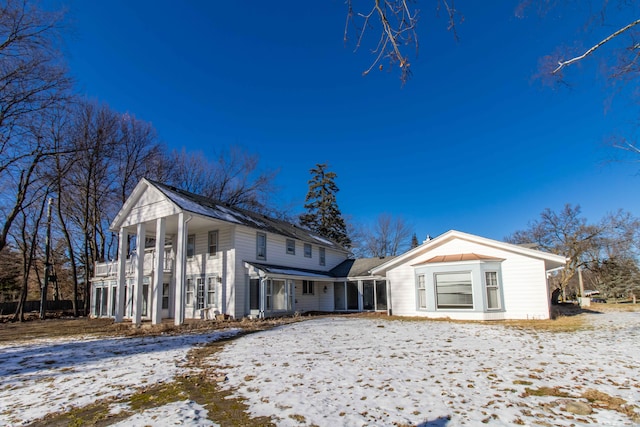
(110,268)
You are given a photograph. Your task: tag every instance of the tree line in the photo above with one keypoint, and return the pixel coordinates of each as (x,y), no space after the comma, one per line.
(83,158)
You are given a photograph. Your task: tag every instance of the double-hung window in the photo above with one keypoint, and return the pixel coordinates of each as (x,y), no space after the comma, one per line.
(307,250)
(211,291)
(191,245)
(165,296)
(422,292)
(307,287)
(291,246)
(493,290)
(190,291)
(213,243)
(322,256)
(261,246)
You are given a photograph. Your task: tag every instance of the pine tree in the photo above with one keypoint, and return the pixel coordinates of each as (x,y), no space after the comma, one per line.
(414,241)
(323,215)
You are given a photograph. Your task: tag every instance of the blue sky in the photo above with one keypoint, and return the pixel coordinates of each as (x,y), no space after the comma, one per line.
(472,142)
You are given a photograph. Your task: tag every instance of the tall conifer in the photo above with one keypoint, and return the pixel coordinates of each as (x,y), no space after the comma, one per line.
(323,215)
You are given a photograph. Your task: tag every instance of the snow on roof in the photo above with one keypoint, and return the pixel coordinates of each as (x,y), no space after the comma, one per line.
(215,209)
(288,271)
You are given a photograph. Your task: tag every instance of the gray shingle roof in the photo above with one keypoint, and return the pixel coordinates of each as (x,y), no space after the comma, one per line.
(215,209)
(358,267)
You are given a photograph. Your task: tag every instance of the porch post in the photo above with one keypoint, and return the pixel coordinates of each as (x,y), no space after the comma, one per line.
(158,274)
(180,269)
(139,274)
(263,297)
(122,270)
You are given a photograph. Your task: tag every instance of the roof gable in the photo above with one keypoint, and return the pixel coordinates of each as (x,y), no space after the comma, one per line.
(144,201)
(551,259)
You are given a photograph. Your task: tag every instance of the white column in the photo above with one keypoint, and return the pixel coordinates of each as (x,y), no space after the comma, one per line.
(122,272)
(139,274)
(158,274)
(181,249)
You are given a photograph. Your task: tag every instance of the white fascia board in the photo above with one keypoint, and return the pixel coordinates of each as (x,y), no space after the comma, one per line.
(452,234)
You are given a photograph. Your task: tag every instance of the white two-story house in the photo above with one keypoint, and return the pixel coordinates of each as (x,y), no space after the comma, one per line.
(183,256)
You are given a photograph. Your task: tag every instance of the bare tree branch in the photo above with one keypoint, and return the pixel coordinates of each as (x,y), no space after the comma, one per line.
(562,64)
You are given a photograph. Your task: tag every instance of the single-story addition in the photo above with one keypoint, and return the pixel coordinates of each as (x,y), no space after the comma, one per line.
(462,276)
(183,256)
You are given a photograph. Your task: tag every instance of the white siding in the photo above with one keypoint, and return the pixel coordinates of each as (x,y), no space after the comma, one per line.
(220,265)
(277,252)
(523,283)
(151,205)
(308,302)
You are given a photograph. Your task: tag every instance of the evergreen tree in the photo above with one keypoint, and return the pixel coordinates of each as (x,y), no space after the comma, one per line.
(323,215)
(414,241)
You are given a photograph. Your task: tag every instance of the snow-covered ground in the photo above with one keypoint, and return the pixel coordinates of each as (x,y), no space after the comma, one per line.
(353,372)
(53,375)
(345,371)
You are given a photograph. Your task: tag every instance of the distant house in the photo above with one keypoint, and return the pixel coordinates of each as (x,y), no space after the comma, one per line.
(184,256)
(463,276)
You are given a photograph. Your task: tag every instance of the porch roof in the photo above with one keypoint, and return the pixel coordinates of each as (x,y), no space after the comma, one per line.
(290,272)
(360,267)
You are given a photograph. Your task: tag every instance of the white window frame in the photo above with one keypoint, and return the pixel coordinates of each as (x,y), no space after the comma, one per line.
(492,285)
(211,299)
(191,245)
(308,287)
(200,292)
(212,244)
(268,297)
(322,255)
(308,250)
(190,293)
(165,295)
(422,292)
(261,248)
(291,246)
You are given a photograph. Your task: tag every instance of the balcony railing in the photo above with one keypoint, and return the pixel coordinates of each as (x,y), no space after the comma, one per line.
(110,268)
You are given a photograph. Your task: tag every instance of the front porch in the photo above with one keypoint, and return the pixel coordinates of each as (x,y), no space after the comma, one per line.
(277,291)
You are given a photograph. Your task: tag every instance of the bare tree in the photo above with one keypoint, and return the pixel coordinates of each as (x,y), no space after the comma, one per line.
(394,27)
(233,178)
(32,81)
(389,236)
(26,238)
(587,245)
(10,270)
(138,154)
